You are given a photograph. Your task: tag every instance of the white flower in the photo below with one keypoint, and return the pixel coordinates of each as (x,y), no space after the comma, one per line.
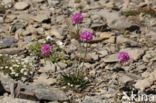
(6,67)
(60,44)
(25,73)
(13,72)
(1,55)
(49,38)
(16,75)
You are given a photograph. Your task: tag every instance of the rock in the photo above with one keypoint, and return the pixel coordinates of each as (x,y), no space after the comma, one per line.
(8,1)
(21,5)
(39,1)
(56,33)
(111,58)
(94,56)
(62,65)
(52,94)
(38,91)
(15,100)
(147,82)
(7,42)
(48,66)
(125,78)
(43,79)
(122,40)
(1,19)
(152,35)
(53,2)
(11,51)
(135,53)
(114,19)
(149,56)
(102,52)
(89,99)
(43,16)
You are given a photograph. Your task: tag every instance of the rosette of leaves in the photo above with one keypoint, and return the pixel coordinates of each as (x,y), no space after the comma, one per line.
(75,81)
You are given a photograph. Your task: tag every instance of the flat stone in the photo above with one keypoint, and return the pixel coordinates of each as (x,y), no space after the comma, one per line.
(114,19)
(7,42)
(21,5)
(110,58)
(89,99)
(50,94)
(43,79)
(42,16)
(11,51)
(15,100)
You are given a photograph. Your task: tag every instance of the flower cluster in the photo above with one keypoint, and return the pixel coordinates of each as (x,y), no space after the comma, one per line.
(77,18)
(86,36)
(123,57)
(46,49)
(16,68)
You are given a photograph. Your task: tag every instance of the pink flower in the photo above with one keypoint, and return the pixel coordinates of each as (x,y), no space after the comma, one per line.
(86,36)
(77,18)
(123,57)
(46,49)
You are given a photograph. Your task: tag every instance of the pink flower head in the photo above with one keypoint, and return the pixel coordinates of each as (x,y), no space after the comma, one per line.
(77,18)
(86,36)
(123,57)
(46,48)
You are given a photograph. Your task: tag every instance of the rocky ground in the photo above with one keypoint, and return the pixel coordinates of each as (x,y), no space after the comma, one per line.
(118,25)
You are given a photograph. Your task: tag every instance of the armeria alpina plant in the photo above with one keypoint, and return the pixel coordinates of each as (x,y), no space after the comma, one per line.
(85,37)
(76,19)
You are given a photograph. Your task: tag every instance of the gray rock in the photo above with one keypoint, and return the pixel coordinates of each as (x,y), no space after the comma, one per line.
(11,51)
(7,1)
(53,2)
(149,56)
(39,1)
(15,100)
(21,5)
(152,35)
(39,91)
(89,99)
(134,53)
(122,40)
(50,94)
(7,42)
(115,20)
(125,78)
(102,52)
(62,65)
(48,66)
(94,56)
(42,16)
(110,58)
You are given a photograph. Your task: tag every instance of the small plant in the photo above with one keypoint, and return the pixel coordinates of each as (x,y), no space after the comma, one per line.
(35,49)
(75,80)
(131,13)
(76,19)
(146,11)
(2,9)
(16,68)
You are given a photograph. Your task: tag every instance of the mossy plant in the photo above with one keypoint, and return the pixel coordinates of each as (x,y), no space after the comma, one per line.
(76,80)
(35,49)
(145,11)
(16,68)
(131,13)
